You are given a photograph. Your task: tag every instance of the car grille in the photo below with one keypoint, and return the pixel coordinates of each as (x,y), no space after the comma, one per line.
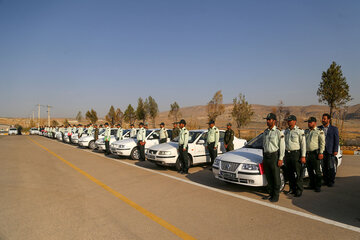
(152,152)
(229,166)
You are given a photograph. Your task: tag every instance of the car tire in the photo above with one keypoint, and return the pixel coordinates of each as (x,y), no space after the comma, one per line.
(92,145)
(178,166)
(134,155)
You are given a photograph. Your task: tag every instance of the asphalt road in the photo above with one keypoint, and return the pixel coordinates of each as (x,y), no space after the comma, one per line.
(51,190)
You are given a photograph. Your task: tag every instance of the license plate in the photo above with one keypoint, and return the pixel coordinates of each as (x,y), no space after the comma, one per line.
(228,175)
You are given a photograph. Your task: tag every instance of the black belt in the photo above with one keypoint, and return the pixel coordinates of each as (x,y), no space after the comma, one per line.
(314,151)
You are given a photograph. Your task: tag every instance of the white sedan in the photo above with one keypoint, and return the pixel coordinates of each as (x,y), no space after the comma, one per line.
(244,166)
(100,143)
(128,147)
(166,154)
(89,140)
(34,131)
(13,131)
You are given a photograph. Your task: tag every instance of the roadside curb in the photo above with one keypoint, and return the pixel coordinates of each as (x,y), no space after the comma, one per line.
(350,152)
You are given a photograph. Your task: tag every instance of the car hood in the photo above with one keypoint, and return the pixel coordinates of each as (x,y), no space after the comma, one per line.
(243,155)
(165,146)
(125,141)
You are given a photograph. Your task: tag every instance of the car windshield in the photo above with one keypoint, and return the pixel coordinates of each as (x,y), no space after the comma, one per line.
(192,137)
(256,142)
(12,129)
(101,131)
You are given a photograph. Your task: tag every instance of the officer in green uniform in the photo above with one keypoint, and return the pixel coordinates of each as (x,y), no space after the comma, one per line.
(295,153)
(175,131)
(212,141)
(274,151)
(132,131)
(141,141)
(96,132)
(183,148)
(119,133)
(90,130)
(107,139)
(315,146)
(81,130)
(163,133)
(229,138)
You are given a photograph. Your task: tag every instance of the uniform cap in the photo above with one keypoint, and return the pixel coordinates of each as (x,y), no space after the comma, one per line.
(141,124)
(291,118)
(106,124)
(182,121)
(131,125)
(311,119)
(162,123)
(270,116)
(229,124)
(118,125)
(211,122)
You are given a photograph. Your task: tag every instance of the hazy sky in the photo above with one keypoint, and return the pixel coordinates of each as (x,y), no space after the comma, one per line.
(76,55)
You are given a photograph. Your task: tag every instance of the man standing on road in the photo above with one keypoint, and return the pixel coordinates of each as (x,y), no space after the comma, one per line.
(107,139)
(96,132)
(80,131)
(163,133)
(295,153)
(331,150)
(141,138)
(69,132)
(119,133)
(274,151)
(90,130)
(212,141)
(315,146)
(229,138)
(132,131)
(183,148)
(175,131)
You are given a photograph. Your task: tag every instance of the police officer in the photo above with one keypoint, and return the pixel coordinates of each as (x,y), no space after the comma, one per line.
(229,138)
(183,148)
(80,131)
(141,141)
(163,133)
(295,153)
(119,133)
(175,131)
(274,150)
(315,146)
(96,132)
(69,132)
(107,139)
(212,141)
(90,129)
(132,131)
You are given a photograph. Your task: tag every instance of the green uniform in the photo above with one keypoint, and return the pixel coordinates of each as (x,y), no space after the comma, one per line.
(295,147)
(315,144)
(90,131)
(274,150)
(212,142)
(184,162)
(119,134)
(80,132)
(163,135)
(141,138)
(229,139)
(175,133)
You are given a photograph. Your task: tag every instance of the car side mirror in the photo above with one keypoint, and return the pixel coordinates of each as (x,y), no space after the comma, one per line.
(201,141)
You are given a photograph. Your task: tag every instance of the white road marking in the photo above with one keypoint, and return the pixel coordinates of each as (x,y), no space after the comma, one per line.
(263,203)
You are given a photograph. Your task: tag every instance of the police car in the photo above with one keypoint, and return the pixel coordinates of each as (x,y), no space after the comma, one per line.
(100,143)
(128,147)
(89,140)
(34,131)
(244,166)
(13,131)
(166,154)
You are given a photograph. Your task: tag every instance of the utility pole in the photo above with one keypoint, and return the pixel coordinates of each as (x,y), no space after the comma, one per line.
(48,111)
(33,116)
(38,115)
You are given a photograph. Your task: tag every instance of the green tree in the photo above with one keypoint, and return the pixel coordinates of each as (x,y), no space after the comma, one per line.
(111,116)
(333,89)
(130,115)
(241,112)
(119,116)
(141,113)
(175,111)
(66,122)
(54,123)
(215,107)
(79,116)
(152,109)
(91,116)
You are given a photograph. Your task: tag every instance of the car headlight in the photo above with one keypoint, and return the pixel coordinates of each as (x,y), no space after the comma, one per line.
(250,167)
(164,153)
(216,162)
(121,146)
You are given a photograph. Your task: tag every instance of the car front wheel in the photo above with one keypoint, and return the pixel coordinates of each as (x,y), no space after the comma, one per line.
(92,145)
(135,154)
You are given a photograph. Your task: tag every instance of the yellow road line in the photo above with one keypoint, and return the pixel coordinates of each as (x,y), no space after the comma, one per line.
(142,210)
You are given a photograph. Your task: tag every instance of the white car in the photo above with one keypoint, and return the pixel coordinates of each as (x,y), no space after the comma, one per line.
(75,136)
(88,140)
(128,147)
(34,131)
(13,131)
(244,166)
(100,143)
(166,154)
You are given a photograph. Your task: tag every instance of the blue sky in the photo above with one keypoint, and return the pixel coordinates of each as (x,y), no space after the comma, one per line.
(76,55)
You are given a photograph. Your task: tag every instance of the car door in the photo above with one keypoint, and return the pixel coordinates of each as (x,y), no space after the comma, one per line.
(201,154)
(153,139)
